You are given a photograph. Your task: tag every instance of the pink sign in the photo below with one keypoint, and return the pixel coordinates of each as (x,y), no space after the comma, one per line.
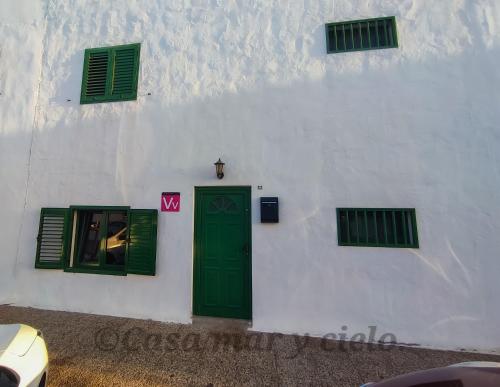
(170,201)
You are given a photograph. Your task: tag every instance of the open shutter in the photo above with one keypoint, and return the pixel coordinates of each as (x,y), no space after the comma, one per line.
(96,68)
(52,238)
(125,71)
(142,242)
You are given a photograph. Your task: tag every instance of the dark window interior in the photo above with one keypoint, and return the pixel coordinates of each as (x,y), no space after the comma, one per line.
(362,35)
(377,227)
(89,228)
(101,238)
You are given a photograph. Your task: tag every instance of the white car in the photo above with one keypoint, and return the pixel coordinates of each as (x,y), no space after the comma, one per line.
(23,357)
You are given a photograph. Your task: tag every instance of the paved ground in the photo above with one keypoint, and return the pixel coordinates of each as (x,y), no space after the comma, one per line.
(90,350)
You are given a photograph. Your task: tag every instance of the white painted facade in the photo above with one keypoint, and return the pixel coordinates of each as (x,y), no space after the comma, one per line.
(250,82)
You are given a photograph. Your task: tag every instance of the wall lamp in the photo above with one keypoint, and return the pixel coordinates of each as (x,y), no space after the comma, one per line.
(219,168)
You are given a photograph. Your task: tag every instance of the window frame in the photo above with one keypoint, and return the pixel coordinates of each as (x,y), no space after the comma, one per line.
(72,263)
(395,38)
(357,243)
(56,243)
(108,96)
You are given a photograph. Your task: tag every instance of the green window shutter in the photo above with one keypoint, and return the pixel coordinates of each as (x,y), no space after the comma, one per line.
(110,74)
(95,75)
(125,71)
(142,242)
(52,245)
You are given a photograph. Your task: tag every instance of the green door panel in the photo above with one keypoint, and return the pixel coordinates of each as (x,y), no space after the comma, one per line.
(222,254)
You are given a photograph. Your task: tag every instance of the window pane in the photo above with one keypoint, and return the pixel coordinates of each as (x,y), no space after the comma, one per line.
(343,226)
(389,221)
(380,227)
(409,228)
(399,228)
(116,240)
(331,39)
(361,226)
(382,33)
(373,35)
(390,33)
(356,30)
(89,226)
(353,232)
(365,38)
(348,37)
(372,236)
(340,38)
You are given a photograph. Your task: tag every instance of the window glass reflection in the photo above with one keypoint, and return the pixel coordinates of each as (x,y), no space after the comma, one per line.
(116,239)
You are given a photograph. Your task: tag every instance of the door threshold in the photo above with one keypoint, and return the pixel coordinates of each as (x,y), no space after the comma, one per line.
(221,323)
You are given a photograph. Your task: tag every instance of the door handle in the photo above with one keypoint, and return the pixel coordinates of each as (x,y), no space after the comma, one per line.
(246,248)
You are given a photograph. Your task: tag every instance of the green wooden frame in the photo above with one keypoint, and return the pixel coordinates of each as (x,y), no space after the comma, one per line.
(39,263)
(141,242)
(108,96)
(349,27)
(101,268)
(196,240)
(408,233)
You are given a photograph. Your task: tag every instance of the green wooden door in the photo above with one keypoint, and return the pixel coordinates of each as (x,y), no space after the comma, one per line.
(222,252)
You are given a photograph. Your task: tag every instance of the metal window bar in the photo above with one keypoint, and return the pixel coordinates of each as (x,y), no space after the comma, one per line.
(368,34)
(385,227)
(344,35)
(365,213)
(348,227)
(390,32)
(403,218)
(386,32)
(389,227)
(336,39)
(352,37)
(362,35)
(360,32)
(357,225)
(394,227)
(410,228)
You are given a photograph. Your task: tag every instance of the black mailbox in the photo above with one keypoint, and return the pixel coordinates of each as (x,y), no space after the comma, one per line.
(269,210)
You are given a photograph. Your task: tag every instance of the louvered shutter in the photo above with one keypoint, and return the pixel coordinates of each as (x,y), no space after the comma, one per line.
(95,75)
(142,242)
(110,74)
(125,65)
(52,238)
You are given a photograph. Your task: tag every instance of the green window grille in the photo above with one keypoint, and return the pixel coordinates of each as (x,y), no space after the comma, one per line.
(110,74)
(359,35)
(98,240)
(377,227)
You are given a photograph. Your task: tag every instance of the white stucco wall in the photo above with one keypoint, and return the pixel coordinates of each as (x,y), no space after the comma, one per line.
(21,29)
(250,82)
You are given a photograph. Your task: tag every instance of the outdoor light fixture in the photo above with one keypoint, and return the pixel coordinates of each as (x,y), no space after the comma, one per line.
(219,168)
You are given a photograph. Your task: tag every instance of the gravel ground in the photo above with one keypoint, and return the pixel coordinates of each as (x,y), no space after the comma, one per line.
(90,350)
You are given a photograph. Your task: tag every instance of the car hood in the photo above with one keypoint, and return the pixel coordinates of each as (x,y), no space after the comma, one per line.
(16,339)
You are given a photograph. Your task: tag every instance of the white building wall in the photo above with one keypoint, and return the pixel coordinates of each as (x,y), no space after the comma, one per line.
(21,31)
(250,82)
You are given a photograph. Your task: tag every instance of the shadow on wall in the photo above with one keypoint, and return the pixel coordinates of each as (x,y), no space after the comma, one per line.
(414,113)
